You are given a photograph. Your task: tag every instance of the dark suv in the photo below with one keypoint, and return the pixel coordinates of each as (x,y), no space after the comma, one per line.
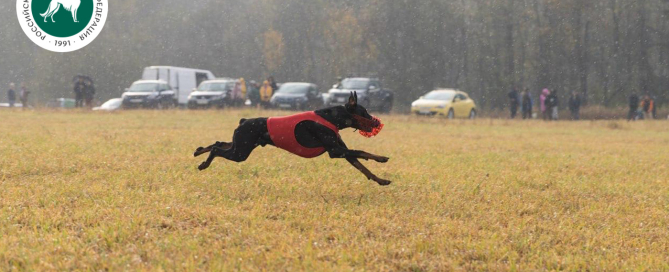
(370,94)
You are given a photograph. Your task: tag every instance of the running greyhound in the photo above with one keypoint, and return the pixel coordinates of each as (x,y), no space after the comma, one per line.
(308,135)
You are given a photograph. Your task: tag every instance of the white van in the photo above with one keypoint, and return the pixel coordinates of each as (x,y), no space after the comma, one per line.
(183,80)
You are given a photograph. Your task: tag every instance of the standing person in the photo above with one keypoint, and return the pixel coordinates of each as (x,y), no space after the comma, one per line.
(514,100)
(575,106)
(89,93)
(272,83)
(254,93)
(552,104)
(242,84)
(647,105)
(542,104)
(79,89)
(634,106)
(24,95)
(11,95)
(653,98)
(236,95)
(526,104)
(266,94)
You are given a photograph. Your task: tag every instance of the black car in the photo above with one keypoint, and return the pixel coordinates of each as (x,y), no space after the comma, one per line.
(370,94)
(298,96)
(149,94)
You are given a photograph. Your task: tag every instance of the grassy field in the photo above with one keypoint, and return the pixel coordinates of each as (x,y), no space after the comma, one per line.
(89,191)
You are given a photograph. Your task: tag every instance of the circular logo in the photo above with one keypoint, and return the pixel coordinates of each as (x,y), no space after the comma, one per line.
(62,25)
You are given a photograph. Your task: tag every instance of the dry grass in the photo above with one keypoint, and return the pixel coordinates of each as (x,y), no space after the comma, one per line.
(121,191)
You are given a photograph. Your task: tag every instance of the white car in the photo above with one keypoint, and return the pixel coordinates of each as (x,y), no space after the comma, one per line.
(111,105)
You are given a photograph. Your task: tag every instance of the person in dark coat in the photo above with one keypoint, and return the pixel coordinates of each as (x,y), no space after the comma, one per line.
(575,106)
(514,102)
(552,104)
(634,107)
(79,90)
(272,83)
(89,93)
(526,104)
(11,95)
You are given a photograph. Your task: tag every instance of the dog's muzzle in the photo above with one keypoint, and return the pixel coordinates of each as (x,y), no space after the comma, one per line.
(369,127)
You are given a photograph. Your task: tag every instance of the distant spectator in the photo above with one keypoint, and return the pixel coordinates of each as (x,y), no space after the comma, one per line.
(254,93)
(236,95)
(654,107)
(79,89)
(542,104)
(89,93)
(634,106)
(11,95)
(272,83)
(266,94)
(24,95)
(575,106)
(647,105)
(242,84)
(514,102)
(552,105)
(526,104)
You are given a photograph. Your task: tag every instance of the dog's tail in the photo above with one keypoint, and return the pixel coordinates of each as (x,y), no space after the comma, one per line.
(49,11)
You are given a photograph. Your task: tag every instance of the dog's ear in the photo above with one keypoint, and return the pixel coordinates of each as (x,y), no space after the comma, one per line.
(353,100)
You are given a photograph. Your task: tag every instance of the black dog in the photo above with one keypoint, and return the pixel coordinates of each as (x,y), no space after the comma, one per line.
(308,134)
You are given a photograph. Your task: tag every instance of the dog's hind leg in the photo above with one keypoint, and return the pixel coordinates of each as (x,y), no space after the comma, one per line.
(204,150)
(244,141)
(54,11)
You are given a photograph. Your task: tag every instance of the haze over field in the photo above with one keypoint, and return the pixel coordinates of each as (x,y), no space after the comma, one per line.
(603,48)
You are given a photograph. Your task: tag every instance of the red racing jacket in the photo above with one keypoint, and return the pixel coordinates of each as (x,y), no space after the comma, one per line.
(282,132)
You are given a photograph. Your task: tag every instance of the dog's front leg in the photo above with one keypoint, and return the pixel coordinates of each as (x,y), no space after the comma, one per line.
(354,161)
(202,150)
(367,156)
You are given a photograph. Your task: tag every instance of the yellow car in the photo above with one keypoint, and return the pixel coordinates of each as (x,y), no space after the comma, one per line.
(446,102)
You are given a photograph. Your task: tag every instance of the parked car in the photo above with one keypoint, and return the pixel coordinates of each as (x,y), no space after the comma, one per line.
(448,102)
(111,105)
(298,96)
(149,94)
(211,93)
(370,94)
(184,80)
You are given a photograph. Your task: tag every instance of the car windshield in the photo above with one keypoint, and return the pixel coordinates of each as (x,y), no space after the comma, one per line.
(443,96)
(216,87)
(143,87)
(354,84)
(293,89)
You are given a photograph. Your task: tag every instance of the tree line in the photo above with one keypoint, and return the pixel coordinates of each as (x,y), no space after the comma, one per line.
(604,49)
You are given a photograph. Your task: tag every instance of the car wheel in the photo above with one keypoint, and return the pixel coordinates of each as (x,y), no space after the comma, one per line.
(451,114)
(472,114)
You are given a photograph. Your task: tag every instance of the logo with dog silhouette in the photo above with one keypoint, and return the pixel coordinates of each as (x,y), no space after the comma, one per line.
(55,5)
(62,25)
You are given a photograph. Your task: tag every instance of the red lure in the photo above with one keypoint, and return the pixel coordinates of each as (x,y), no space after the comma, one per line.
(374,126)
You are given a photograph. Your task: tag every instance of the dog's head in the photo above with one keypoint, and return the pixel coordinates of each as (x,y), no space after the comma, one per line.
(368,125)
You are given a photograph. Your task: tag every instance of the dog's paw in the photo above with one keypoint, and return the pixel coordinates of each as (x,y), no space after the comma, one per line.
(383,159)
(203,166)
(198,151)
(383,182)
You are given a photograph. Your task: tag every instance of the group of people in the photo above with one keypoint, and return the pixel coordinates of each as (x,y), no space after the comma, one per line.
(84,91)
(23,95)
(549,103)
(641,108)
(259,95)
